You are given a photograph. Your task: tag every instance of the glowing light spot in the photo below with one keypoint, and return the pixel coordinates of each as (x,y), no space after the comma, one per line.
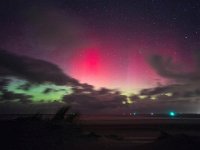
(124,102)
(129,101)
(153,97)
(142,96)
(169,94)
(172,114)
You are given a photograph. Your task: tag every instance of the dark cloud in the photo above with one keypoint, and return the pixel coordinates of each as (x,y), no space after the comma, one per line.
(87,87)
(3,83)
(154,91)
(25,86)
(135,98)
(166,68)
(10,96)
(31,69)
(186,89)
(94,103)
(104,91)
(48,90)
(175,95)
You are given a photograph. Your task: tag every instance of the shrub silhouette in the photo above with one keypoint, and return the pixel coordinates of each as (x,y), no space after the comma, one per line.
(60,114)
(72,117)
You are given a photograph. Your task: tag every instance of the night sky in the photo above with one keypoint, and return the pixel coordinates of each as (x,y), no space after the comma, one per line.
(100,56)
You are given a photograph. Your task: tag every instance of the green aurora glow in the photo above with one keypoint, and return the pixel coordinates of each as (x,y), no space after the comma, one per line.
(36,91)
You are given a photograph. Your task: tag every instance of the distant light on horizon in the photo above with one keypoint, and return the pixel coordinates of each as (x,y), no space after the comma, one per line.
(172,114)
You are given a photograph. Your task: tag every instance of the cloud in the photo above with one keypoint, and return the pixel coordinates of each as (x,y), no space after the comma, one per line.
(84,97)
(166,68)
(10,96)
(3,82)
(182,94)
(104,91)
(94,103)
(48,90)
(31,69)
(25,86)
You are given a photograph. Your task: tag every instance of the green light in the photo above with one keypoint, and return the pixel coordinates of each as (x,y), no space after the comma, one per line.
(172,114)
(36,91)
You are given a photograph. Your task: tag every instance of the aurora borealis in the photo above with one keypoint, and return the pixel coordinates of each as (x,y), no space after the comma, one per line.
(146,49)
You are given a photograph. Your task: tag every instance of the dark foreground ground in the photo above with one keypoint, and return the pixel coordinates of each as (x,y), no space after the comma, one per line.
(135,134)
